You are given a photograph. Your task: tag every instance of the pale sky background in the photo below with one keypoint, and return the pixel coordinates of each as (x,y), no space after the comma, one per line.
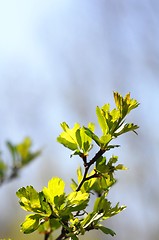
(58,60)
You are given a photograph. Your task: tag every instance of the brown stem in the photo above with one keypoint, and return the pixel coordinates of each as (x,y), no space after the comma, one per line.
(87,166)
(83,179)
(98,155)
(62,236)
(95,175)
(46,237)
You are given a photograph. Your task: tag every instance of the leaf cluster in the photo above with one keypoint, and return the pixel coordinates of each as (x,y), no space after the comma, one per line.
(21,155)
(52,208)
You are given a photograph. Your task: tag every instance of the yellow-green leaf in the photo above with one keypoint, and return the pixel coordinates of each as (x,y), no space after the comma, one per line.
(23,148)
(120,167)
(55,188)
(31,223)
(68,136)
(107,230)
(101,119)
(29,198)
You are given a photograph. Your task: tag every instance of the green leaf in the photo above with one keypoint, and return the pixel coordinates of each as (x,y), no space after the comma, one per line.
(104,140)
(92,135)
(79,174)
(111,146)
(46,224)
(101,120)
(30,157)
(63,140)
(112,160)
(115,115)
(84,141)
(105,182)
(23,148)
(55,188)
(68,137)
(74,185)
(79,138)
(64,126)
(29,198)
(88,185)
(111,211)
(72,236)
(118,100)
(76,139)
(103,204)
(96,204)
(100,163)
(120,167)
(77,201)
(21,153)
(126,128)
(45,206)
(90,218)
(12,150)
(77,197)
(31,223)
(91,126)
(3,169)
(126,104)
(106,230)
(54,223)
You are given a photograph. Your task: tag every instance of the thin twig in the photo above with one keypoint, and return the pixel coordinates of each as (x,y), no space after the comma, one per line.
(98,155)
(46,236)
(87,166)
(83,179)
(62,236)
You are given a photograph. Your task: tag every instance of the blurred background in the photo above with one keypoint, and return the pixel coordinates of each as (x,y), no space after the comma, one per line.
(59,59)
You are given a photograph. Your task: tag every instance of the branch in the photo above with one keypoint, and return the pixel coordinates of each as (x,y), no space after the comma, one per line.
(62,236)
(84,178)
(46,236)
(98,155)
(87,166)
